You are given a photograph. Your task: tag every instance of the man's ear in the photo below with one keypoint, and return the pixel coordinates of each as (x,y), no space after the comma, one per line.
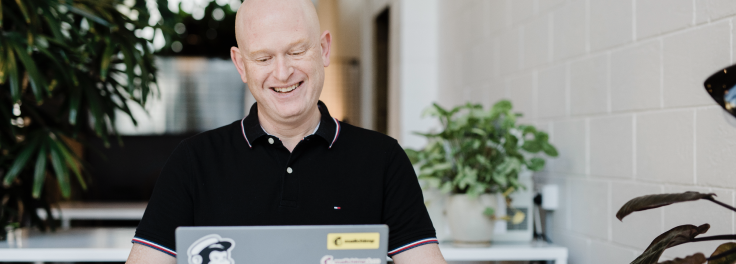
(239,63)
(326,43)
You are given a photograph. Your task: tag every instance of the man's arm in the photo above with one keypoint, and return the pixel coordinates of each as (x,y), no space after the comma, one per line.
(141,254)
(424,254)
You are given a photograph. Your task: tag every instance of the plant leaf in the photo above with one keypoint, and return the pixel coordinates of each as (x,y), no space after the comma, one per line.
(502,106)
(3,64)
(531,146)
(20,162)
(697,258)
(89,15)
(22,8)
(536,164)
(38,84)
(14,82)
(549,150)
(673,237)
(61,173)
(647,202)
(39,172)
(728,259)
(106,57)
(489,211)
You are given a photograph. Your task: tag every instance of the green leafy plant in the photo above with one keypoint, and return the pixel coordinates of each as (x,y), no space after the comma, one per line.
(480,151)
(724,254)
(66,68)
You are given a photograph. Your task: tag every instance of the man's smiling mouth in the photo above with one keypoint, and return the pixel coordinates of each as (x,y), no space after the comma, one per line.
(287,89)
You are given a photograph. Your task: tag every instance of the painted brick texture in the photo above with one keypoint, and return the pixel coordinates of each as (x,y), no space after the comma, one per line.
(618,84)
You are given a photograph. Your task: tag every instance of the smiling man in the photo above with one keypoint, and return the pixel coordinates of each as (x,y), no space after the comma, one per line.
(288,162)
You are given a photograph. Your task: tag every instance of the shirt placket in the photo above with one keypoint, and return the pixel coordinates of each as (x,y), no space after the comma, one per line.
(290,173)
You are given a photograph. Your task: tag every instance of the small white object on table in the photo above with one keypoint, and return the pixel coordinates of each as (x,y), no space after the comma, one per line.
(96,211)
(72,245)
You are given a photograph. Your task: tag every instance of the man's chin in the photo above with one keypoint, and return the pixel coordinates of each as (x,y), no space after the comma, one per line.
(289,111)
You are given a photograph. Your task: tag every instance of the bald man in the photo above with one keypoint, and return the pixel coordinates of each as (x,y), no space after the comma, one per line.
(288,162)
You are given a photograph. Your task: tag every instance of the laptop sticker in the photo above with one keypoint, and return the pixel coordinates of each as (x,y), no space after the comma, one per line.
(336,241)
(331,260)
(211,249)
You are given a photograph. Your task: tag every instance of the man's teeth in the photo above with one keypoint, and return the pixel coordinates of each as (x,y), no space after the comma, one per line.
(286,89)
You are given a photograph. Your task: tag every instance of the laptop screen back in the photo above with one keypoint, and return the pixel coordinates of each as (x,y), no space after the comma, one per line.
(328,244)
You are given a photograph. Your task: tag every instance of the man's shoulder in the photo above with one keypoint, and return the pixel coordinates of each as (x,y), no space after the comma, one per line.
(358,136)
(214,138)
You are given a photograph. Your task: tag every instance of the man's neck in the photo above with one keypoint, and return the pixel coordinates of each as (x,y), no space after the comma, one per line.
(290,132)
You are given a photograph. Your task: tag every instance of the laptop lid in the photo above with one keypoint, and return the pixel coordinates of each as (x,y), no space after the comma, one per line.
(326,244)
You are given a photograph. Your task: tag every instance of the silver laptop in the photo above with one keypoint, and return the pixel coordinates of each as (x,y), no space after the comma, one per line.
(327,244)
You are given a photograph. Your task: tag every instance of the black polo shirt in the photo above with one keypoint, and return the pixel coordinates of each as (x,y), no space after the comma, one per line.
(238,175)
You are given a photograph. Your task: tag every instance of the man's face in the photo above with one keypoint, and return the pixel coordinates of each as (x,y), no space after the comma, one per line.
(283,60)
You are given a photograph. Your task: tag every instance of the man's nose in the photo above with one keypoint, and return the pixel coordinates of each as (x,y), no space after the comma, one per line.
(284,69)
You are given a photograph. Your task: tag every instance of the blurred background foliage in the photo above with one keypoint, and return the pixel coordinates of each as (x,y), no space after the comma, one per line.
(199,27)
(68,69)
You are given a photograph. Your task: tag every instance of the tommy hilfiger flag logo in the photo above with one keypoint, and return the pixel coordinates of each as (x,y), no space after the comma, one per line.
(338,207)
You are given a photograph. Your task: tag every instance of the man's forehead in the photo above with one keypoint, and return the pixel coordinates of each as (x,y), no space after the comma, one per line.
(258,18)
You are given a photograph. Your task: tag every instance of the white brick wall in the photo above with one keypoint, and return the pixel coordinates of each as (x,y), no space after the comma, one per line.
(611,147)
(636,77)
(589,85)
(618,84)
(551,97)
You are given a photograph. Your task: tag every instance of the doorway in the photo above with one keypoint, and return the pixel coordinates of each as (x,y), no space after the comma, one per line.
(381,72)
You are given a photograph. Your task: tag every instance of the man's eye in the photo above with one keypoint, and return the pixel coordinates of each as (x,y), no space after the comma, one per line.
(262,60)
(298,53)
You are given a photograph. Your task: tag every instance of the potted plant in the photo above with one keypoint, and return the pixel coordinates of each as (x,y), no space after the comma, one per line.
(477,156)
(723,254)
(68,68)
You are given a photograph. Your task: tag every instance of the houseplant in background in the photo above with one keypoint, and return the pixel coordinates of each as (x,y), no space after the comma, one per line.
(723,254)
(477,155)
(67,67)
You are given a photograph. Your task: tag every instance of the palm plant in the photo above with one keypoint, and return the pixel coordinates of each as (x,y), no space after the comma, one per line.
(67,68)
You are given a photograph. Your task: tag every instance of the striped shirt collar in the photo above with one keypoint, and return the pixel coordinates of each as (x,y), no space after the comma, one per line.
(328,128)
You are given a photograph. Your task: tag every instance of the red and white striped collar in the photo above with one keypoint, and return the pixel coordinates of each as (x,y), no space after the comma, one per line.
(329,127)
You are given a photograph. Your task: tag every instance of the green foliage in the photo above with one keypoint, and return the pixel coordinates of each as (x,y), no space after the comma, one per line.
(726,258)
(66,68)
(673,237)
(697,258)
(647,202)
(479,151)
(724,254)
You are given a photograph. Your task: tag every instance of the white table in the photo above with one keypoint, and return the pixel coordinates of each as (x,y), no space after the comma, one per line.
(520,251)
(113,245)
(96,211)
(72,245)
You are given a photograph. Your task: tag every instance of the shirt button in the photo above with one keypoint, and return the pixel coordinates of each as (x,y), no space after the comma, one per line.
(270,140)
(289,170)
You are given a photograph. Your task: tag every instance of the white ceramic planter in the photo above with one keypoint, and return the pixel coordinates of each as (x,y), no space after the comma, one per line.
(466,220)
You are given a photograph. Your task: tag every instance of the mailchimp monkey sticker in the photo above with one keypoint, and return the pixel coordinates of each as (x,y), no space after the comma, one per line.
(353,241)
(211,249)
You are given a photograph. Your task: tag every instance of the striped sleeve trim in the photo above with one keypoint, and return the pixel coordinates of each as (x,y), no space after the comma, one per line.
(411,245)
(155,246)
